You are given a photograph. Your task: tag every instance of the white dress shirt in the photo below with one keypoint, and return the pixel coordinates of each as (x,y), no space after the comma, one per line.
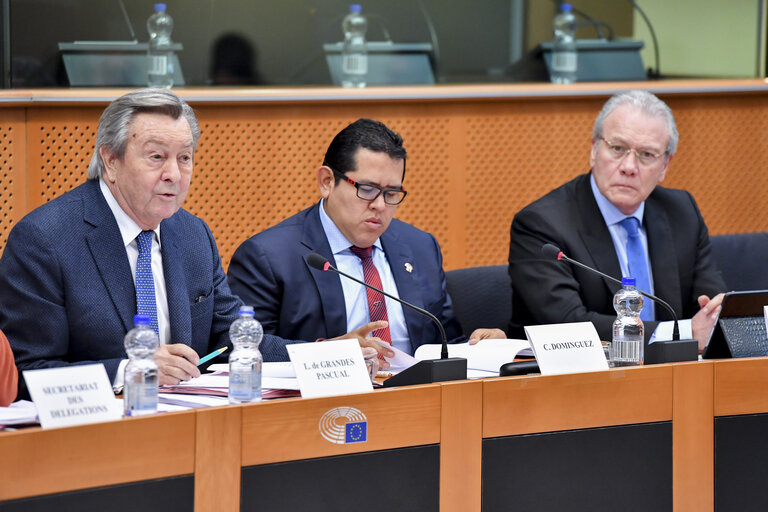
(355,295)
(129,230)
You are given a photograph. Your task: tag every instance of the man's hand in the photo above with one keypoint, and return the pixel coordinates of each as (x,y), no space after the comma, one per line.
(361,335)
(175,363)
(703,322)
(486,334)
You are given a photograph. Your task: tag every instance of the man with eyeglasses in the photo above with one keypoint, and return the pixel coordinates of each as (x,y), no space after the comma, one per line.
(361,184)
(618,220)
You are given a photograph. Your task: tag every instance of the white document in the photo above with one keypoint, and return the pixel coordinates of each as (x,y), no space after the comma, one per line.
(567,348)
(273,369)
(334,367)
(400,361)
(73,395)
(18,413)
(487,356)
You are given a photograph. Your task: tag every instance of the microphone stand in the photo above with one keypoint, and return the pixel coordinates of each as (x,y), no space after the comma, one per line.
(658,351)
(424,372)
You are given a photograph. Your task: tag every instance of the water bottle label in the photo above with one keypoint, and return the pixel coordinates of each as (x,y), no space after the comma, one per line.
(241,385)
(355,64)
(158,65)
(140,398)
(564,62)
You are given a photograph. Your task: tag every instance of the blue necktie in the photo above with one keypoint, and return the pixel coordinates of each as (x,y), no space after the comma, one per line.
(637,265)
(145,284)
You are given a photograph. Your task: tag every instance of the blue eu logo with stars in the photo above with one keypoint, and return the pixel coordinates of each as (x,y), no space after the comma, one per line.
(356,432)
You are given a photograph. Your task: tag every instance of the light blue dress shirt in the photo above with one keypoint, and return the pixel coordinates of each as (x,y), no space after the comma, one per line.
(355,295)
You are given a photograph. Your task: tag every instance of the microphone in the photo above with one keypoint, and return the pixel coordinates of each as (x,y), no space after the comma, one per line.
(423,372)
(550,251)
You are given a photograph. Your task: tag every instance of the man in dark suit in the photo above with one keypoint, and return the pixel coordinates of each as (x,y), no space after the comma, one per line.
(67,293)
(634,140)
(361,183)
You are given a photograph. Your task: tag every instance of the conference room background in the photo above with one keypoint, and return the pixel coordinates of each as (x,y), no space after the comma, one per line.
(282,42)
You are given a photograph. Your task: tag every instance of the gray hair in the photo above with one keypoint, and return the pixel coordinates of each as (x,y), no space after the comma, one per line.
(115,122)
(646,103)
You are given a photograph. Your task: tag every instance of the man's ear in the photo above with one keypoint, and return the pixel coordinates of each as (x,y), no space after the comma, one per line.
(109,158)
(325,180)
(663,172)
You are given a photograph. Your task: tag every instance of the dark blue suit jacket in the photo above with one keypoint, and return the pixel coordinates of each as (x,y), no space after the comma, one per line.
(67,295)
(293,300)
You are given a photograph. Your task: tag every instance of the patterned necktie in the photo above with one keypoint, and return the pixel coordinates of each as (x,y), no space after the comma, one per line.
(637,265)
(377,307)
(145,284)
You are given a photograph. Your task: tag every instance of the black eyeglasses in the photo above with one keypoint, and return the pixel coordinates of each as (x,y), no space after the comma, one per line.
(367,192)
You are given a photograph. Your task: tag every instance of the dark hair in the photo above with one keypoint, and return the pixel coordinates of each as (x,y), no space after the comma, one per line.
(363,133)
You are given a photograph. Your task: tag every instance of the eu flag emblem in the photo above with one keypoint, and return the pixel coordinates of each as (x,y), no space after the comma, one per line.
(356,432)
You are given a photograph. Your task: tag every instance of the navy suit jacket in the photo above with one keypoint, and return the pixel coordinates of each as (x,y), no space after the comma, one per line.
(292,300)
(67,295)
(548,291)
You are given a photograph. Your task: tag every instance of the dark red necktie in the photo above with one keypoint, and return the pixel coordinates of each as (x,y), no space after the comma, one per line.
(377,307)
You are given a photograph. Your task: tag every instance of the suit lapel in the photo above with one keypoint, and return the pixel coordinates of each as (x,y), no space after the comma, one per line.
(400,258)
(661,242)
(595,235)
(327,283)
(106,246)
(175,285)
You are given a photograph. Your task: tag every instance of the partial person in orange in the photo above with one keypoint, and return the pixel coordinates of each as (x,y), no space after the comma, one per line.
(9,377)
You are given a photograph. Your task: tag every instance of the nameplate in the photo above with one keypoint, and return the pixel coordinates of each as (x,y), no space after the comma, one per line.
(567,348)
(72,395)
(329,368)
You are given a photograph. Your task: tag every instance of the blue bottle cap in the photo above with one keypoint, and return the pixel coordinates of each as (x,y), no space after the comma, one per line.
(246,310)
(141,320)
(160,7)
(355,8)
(628,281)
(566,7)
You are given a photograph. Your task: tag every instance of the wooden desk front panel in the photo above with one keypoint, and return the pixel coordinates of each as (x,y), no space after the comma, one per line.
(49,461)
(289,429)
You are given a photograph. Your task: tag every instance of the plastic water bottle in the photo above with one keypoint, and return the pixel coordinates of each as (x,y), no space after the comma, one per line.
(245,360)
(564,56)
(627,343)
(160,55)
(140,376)
(354,54)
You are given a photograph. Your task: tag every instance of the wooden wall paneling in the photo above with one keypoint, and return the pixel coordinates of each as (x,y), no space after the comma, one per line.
(289,429)
(41,462)
(13,176)
(217,461)
(524,405)
(741,386)
(461,446)
(720,159)
(693,436)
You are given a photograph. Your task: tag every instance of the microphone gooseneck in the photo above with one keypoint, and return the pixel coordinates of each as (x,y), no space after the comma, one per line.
(318,262)
(551,251)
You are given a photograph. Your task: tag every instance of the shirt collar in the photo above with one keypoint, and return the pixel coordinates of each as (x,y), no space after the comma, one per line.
(129,230)
(611,214)
(336,238)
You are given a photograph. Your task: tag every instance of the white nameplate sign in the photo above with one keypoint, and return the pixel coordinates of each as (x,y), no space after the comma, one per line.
(72,395)
(330,368)
(567,348)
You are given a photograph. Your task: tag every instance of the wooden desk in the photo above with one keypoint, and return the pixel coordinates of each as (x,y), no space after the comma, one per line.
(668,435)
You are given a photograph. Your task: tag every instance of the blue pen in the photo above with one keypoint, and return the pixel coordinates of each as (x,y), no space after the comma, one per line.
(213,354)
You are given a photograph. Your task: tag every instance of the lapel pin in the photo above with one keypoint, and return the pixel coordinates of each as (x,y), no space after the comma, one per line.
(408,267)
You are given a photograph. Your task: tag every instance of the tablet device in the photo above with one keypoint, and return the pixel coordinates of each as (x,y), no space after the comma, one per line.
(740,328)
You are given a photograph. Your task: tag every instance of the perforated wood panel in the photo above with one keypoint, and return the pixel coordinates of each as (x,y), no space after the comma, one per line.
(12,178)
(61,143)
(472,163)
